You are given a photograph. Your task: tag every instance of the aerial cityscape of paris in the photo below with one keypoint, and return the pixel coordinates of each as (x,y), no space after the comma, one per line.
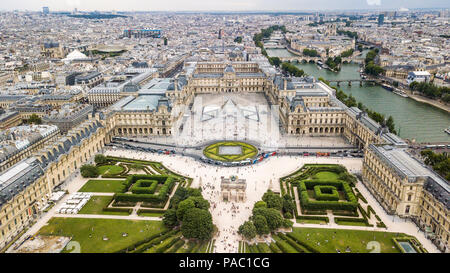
(221,127)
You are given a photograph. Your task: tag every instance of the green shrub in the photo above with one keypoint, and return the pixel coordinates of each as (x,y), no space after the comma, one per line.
(176,246)
(144,241)
(275,248)
(144,186)
(299,241)
(155,241)
(326,193)
(319,218)
(117,210)
(165,247)
(308,204)
(158,198)
(292,243)
(337,220)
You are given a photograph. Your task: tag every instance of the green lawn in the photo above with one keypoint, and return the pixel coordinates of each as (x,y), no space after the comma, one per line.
(103,186)
(357,240)
(326,176)
(96,204)
(110,169)
(89,233)
(248,151)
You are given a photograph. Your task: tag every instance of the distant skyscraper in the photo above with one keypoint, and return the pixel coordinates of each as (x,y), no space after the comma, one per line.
(380,19)
(220,33)
(45,10)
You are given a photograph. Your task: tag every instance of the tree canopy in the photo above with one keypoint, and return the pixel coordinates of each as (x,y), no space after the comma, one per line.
(248,230)
(89,171)
(197,224)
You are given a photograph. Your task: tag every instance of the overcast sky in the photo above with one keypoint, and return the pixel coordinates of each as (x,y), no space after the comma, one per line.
(218,5)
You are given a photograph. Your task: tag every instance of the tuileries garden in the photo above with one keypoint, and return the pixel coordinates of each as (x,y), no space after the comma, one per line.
(139,202)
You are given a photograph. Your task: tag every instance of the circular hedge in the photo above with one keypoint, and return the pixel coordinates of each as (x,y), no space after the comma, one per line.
(247,151)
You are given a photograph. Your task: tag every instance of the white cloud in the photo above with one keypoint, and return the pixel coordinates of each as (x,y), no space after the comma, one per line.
(373,2)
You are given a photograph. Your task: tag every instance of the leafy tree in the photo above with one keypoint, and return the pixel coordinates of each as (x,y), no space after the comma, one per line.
(287,223)
(34,119)
(89,171)
(100,159)
(292,69)
(260,224)
(273,200)
(183,193)
(288,204)
(275,61)
(310,52)
(248,230)
(390,124)
(183,207)
(260,204)
(347,53)
(446,98)
(170,218)
(238,40)
(288,215)
(439,162)
(430,90)
(197,224)
(200,202)
(194,192)
(273,217)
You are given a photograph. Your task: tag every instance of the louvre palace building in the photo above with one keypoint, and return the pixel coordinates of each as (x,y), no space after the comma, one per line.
(227,100)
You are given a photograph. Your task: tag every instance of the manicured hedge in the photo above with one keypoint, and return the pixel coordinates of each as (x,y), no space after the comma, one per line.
(144,186)
(363,212)
(141,242)
(326,193)
(285,247)
(176,246)
(275,248)
(292,243)
(314,212)
(352,220)
(299,241)
(118,210)
(160,197)
(307,203)
(310,170)
(165,247)
(415,244)
(263,248)
(319,218)
(155,241)
(151,210)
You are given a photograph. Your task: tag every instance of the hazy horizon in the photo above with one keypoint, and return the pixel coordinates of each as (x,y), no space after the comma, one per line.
(222,6)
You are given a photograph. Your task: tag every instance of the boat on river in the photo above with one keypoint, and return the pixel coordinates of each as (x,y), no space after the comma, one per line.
(400,92)
(387,87)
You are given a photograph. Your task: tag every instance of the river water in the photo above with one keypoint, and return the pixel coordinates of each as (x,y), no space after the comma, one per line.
(413,120)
